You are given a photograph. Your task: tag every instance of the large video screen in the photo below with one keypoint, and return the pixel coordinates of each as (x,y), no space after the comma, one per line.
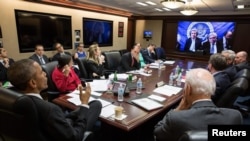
(97,31)
(42,28)
(203,30)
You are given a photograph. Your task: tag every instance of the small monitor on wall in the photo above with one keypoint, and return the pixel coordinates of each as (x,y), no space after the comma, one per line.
(147,34)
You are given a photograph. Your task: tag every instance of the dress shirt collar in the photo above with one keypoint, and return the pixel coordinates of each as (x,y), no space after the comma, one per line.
(201,100)
(34,94)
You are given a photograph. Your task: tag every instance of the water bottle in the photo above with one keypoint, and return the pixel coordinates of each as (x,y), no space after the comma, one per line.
(115,77)
(178,81)
(139,86)
(171,79)
(120,93)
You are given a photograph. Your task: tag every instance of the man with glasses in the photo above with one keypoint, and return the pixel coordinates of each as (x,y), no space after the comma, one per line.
(212,46)
(60,51)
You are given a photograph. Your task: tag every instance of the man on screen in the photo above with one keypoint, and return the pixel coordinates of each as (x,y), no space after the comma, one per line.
(193,43)
(212,46)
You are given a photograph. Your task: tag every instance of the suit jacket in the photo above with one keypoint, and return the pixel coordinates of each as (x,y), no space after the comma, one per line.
(93,67)
(3,71)
(55,126)
(206,47)
(243,65)
(126,63)
(189,42)
(231,72)
(56,56)
(35,58)
(149,57)
(198,117)
(222,83)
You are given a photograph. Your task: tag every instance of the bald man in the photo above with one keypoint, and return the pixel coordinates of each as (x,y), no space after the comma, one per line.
(241,61)
(196,110)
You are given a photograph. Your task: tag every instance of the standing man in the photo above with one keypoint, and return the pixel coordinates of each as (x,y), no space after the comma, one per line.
(196,110)
(193,43)
(39,56)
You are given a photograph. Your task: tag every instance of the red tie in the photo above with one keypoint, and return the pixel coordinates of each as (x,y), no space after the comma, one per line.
(133,61)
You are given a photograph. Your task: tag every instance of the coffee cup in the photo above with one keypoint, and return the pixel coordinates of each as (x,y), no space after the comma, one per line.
(118,112)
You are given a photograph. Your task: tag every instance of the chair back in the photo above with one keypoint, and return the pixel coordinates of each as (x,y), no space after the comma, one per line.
(123,51)
(160,52)
(112,60)
(81,62)
(238,87)
(194,135)
(18,117)
(52,90)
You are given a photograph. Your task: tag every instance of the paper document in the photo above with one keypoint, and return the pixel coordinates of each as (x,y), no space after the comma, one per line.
(120,76)
(147,103)
(157,98)
(167,90)
(169,62)
(99,85)
(108,111)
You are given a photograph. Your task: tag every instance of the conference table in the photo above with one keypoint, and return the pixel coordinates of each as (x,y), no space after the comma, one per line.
(136,116)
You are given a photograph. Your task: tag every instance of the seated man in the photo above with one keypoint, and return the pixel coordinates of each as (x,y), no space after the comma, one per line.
(130,60)
(5,63)
(196,110)
(55,125)
(149,54)
(231,69)
(216,65)
(39,56)
(60,51)
(212,46)
(240,60)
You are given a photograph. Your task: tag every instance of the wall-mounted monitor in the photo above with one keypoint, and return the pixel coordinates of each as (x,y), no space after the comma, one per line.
(97,31)
(203,29)
(147,34)
(42,28)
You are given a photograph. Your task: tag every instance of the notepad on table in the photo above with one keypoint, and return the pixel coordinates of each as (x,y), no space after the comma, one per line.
(147,103)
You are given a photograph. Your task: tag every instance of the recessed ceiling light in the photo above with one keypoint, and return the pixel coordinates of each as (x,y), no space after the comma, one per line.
(150,2)
(240,6)
(158,9)
(141,3)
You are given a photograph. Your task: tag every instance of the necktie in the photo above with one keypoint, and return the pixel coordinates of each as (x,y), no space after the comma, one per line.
(133,61)
(42,61)
(212,49)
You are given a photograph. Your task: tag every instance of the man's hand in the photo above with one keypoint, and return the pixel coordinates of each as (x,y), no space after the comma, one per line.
(84,95)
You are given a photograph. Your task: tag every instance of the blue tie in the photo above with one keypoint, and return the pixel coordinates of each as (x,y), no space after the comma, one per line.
(212,49)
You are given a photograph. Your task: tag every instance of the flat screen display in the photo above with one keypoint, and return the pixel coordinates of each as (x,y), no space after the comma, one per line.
(147,34)
(42,28)
(203,29)
(97,31)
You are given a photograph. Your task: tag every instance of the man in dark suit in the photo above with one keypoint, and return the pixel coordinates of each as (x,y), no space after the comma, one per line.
(60,51)
(216,65)
(226,40)
(212,46)
(196,110)
(130,60)
(193,43)
(54,124)
(39,56)
(240,60)
(5,63)
(149,54)
(231,69)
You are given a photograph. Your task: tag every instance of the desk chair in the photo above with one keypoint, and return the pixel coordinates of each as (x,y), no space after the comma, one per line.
(238,87)
(194,135)
(52,91)
(160,52)
(18,118)
(112,60)
(84,76)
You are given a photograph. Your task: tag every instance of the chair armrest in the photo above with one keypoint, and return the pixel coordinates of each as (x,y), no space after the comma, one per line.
(88,136)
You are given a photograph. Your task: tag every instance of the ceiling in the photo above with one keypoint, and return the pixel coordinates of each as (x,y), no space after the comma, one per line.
(205,7)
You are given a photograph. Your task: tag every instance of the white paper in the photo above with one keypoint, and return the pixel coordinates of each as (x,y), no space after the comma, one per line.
(99,85)
(120,76)
(167,90)
(147,103)
(108,111)
(169,62)
(157,98)
(76,100)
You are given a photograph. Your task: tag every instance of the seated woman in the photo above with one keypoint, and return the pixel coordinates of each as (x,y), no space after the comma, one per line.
(95,60)
(64,75)
(80,53)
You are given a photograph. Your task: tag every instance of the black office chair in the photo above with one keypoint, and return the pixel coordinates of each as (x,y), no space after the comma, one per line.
(194,135)
(84,76)
(237,87)
(19,116)
(52,91)
(123,51)
(112,60)
(160,52)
